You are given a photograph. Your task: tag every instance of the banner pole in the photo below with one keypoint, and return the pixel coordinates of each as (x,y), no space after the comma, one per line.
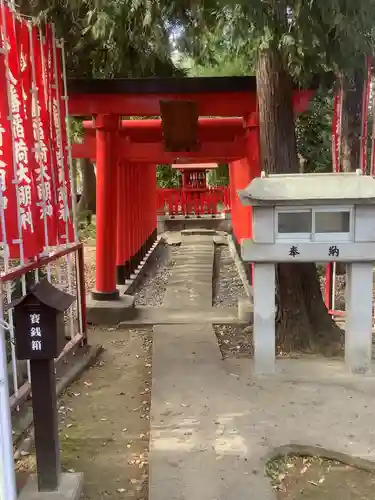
(8,489)
(73,181)
(65,157)
(59,135)
(372,167)
(7,475)
(15,181)
(364,118)
(72,171)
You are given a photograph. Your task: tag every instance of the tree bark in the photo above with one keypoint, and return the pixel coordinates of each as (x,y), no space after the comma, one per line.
(303,322)
(87,203)
(351,129)
(353,87)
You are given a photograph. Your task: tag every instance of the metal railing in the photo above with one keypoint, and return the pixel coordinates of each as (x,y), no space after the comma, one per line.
(65,269)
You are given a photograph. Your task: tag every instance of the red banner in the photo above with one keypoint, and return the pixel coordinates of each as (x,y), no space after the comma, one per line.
(22,127)
(336,132)
(34,174)
(365,105)
(57,135)
(64,172)
(43,154)
(47,66)
(8,214)
(25,63)
(373,134)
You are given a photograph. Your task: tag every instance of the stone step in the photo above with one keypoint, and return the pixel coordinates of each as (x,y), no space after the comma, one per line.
(198,231)
(169,316)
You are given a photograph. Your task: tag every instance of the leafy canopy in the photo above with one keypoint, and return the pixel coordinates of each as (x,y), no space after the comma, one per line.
(312,35)
(112,38)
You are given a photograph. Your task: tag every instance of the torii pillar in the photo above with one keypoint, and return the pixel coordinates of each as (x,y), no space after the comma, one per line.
(106,207)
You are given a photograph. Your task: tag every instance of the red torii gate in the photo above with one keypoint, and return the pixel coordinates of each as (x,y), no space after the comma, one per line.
(127,151)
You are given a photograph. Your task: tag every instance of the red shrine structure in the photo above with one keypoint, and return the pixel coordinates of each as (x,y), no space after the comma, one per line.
(194,175)
(193,197)
(126,152)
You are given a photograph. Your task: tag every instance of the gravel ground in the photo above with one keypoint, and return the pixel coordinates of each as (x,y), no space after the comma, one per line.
(227,286)
(234,341)
(151,289)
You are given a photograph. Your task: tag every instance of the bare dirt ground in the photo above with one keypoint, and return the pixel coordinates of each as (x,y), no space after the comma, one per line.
(104,419)
(90,254)
(297,478)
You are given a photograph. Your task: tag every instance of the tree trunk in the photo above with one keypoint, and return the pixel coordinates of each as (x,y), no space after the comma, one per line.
(87,203)
(352,120)
(351,129)
(303,322)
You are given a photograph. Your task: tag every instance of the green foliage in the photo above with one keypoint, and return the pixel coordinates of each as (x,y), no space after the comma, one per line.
(313,131)
(76,130)
(311,35)
(218,176)
(167,177)
(109,39)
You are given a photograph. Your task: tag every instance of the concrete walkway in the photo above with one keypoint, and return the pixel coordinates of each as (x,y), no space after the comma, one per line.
(214,424)
(190,285)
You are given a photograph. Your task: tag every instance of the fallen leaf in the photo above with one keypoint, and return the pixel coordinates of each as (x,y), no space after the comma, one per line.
(313,483)
(121,490)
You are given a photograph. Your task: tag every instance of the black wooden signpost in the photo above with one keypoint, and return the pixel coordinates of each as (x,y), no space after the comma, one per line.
(40,338)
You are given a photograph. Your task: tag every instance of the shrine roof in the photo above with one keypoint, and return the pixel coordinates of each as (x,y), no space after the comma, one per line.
(194,166)
(310,189)
(180,85)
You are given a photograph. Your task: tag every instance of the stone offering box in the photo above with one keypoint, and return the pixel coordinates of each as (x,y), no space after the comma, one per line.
(39,322)
(313,218)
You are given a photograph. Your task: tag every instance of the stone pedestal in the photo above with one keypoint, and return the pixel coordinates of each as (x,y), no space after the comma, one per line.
(71,486)
(358,326)
(264,318)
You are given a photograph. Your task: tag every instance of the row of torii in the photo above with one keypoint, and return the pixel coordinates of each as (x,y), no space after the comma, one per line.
(203,120)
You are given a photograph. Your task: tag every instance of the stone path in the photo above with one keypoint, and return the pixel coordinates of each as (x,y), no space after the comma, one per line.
(190,285)
(214,424)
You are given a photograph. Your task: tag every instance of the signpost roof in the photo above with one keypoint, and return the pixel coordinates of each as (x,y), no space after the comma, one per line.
(310,189)
(48,295)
